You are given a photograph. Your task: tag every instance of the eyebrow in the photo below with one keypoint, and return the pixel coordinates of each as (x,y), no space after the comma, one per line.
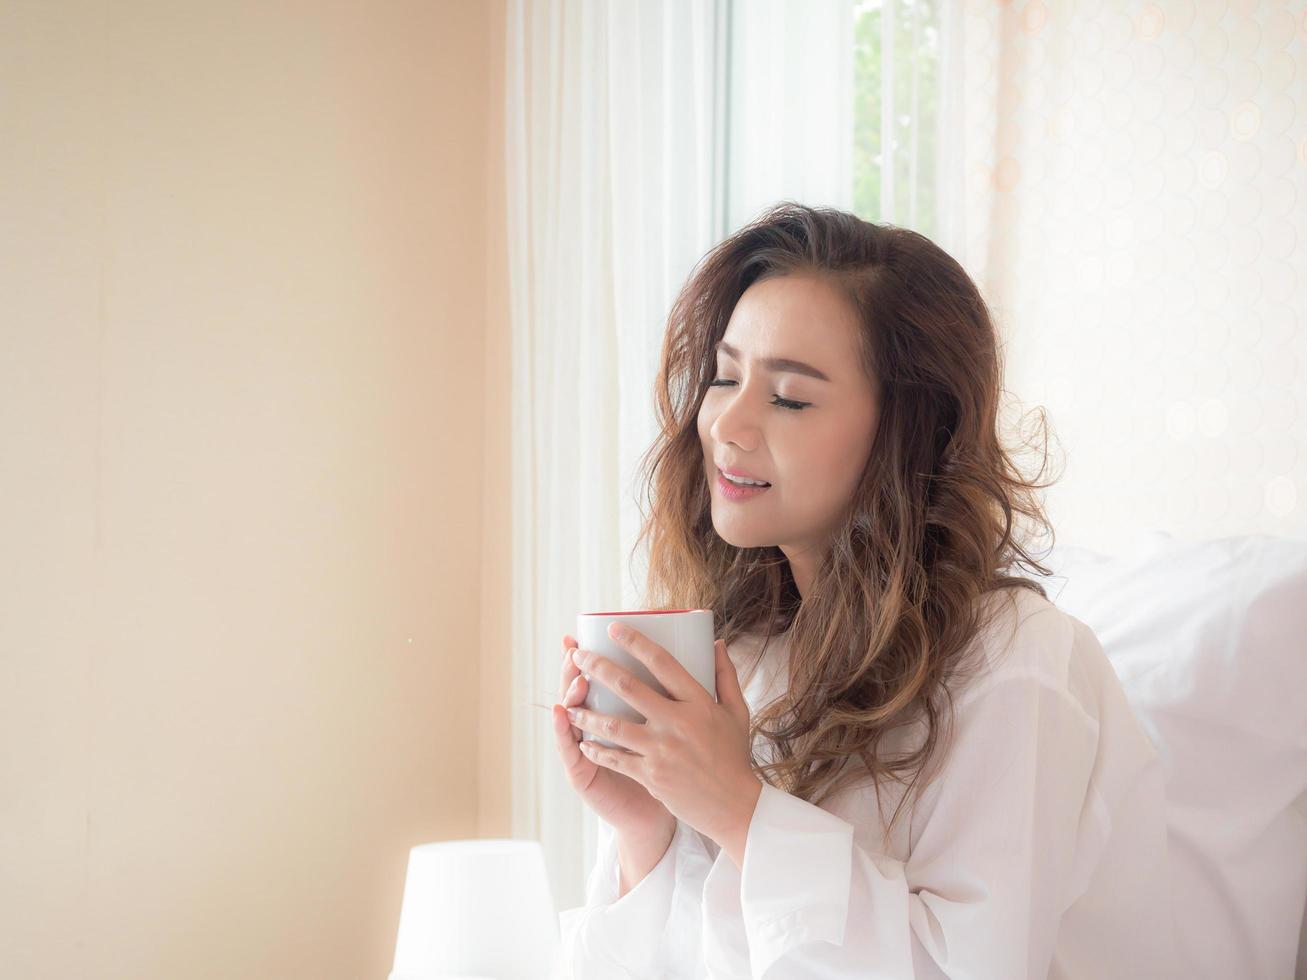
(778,365)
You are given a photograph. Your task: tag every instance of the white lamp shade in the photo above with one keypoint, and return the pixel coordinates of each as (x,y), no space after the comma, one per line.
(476,908)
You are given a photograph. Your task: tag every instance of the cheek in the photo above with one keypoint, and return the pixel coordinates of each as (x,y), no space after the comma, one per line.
(705,421)
(826,461)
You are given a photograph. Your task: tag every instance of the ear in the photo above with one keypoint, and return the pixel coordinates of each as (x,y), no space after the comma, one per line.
(728,685)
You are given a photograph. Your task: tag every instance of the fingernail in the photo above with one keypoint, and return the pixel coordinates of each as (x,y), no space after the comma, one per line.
(571,713)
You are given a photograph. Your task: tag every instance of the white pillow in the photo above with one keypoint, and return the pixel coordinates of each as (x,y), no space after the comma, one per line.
(1209,639)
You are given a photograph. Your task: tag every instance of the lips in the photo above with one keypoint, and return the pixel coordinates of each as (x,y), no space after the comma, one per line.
(742,475)
(738,492)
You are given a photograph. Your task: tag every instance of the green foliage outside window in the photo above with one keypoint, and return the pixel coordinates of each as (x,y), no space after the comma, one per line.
(916,41)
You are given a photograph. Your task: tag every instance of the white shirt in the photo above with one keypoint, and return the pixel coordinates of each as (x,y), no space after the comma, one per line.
(1039,850)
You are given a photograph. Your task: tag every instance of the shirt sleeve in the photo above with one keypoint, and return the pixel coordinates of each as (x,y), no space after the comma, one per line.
(993,868)
(650,933)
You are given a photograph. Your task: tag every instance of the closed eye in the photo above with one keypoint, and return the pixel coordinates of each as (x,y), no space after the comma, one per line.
(779,402)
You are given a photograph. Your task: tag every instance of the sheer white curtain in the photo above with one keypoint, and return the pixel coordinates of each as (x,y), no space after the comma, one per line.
(614,120)
(790,105)
(1135,203)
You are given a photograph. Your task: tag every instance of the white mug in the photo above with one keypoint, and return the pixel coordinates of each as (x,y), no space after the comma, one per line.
(687,634)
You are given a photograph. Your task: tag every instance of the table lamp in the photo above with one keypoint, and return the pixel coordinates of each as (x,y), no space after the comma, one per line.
(476,909)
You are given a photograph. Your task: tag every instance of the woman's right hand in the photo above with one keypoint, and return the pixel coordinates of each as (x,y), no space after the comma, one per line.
(621,801)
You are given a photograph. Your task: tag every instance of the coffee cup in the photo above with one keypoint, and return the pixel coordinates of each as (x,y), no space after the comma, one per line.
(687,634)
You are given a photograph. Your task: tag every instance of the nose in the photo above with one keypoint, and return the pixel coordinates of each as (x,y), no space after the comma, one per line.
(736,423)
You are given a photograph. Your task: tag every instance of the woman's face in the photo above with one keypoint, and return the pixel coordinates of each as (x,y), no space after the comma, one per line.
(812,456)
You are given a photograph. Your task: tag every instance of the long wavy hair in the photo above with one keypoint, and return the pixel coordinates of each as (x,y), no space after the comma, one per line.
(934,526)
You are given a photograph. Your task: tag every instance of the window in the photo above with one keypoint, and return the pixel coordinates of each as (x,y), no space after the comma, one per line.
(818,91)
(896,60)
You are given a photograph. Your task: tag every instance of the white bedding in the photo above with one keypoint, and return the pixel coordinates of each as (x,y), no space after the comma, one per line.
(1209,639)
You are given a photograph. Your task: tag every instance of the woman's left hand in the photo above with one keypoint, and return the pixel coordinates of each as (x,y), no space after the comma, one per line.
(692,753)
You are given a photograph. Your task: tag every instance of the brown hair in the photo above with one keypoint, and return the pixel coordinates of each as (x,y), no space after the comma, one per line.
(895,604)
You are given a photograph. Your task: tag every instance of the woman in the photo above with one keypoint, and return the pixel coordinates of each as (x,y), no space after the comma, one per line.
(930,770)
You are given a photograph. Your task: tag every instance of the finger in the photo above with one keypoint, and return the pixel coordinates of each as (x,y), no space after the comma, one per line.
(623,762)
(666,669)
(631,735)
(624,684)
(575,696)
(575,763)
(575,692)
(729,692)
(569,669)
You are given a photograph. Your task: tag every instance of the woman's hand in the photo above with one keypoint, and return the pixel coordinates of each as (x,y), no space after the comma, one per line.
(692,753)
(620,800)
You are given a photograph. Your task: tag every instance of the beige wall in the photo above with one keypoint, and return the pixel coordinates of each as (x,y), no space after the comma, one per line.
(252,373)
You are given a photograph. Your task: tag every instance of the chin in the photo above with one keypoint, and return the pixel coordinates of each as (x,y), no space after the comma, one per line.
(738,539)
